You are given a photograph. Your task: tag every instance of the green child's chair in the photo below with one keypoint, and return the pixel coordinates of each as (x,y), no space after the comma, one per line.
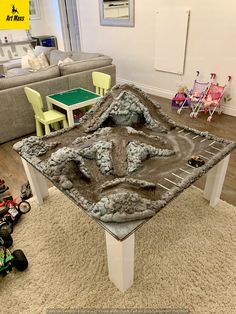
(102,82)
(46,118)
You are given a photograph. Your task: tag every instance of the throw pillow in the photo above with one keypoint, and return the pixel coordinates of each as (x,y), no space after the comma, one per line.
(39,62)
(25,62)
(25,59)
(66,60)
(46,50)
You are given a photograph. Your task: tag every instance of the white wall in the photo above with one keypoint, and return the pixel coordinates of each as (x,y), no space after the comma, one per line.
(211,44)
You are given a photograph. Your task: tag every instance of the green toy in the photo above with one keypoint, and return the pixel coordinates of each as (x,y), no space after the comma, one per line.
(9,260)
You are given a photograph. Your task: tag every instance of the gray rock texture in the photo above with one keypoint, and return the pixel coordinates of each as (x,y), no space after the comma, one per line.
(34,146)
(127,110)
(55,168)
(138,152)
(101,152)
(126,159)
(122,207)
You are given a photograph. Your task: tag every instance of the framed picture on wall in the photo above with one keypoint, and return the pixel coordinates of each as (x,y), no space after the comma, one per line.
(34,10)
(117,12)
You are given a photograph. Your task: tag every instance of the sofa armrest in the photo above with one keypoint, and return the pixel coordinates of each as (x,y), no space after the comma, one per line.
(41,75)
(12,64)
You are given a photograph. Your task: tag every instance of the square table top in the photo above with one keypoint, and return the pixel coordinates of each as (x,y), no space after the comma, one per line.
(74,96)
(121,171)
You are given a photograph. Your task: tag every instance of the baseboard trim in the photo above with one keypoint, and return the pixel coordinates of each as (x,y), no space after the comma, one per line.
(153,90)
(229,110)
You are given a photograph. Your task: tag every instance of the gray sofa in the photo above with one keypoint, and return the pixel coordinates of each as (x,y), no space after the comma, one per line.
(16,114)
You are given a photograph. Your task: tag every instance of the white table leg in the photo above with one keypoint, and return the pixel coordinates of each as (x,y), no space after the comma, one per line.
(37,182)
(70,117)
(215,181)
(120,257)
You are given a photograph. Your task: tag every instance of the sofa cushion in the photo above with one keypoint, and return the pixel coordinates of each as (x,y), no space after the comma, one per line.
(41,75)
(58,55)
(16,72)
(15,63)
(78,56)
(84,65)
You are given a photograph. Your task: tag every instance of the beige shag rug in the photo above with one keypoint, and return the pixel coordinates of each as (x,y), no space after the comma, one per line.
(185,257)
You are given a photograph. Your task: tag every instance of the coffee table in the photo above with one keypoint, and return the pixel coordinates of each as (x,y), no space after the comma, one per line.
(72,99)
(64,158)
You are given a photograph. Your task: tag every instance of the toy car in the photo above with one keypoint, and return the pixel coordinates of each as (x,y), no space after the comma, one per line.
(9,260)
(10,212)
(196,161)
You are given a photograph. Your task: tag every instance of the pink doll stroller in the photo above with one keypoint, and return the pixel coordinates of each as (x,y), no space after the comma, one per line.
(211,101)
(195,95)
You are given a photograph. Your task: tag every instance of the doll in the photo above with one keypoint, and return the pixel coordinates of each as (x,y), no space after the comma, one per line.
(208,101)
(195,97)
(180,96)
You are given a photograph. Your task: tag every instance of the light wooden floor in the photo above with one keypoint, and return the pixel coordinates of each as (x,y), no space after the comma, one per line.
(12,171)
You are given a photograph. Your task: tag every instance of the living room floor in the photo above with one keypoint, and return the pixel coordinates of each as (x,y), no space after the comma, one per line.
(12,171)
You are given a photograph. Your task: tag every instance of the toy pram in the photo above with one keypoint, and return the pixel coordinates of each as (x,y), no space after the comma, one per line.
(211,101)
(196,93)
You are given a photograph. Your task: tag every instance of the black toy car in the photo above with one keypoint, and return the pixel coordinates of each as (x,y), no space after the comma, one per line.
(10,212)
(196,161)
(8,260)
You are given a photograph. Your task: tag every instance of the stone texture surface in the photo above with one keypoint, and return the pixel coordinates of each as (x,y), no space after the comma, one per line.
(126,159)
